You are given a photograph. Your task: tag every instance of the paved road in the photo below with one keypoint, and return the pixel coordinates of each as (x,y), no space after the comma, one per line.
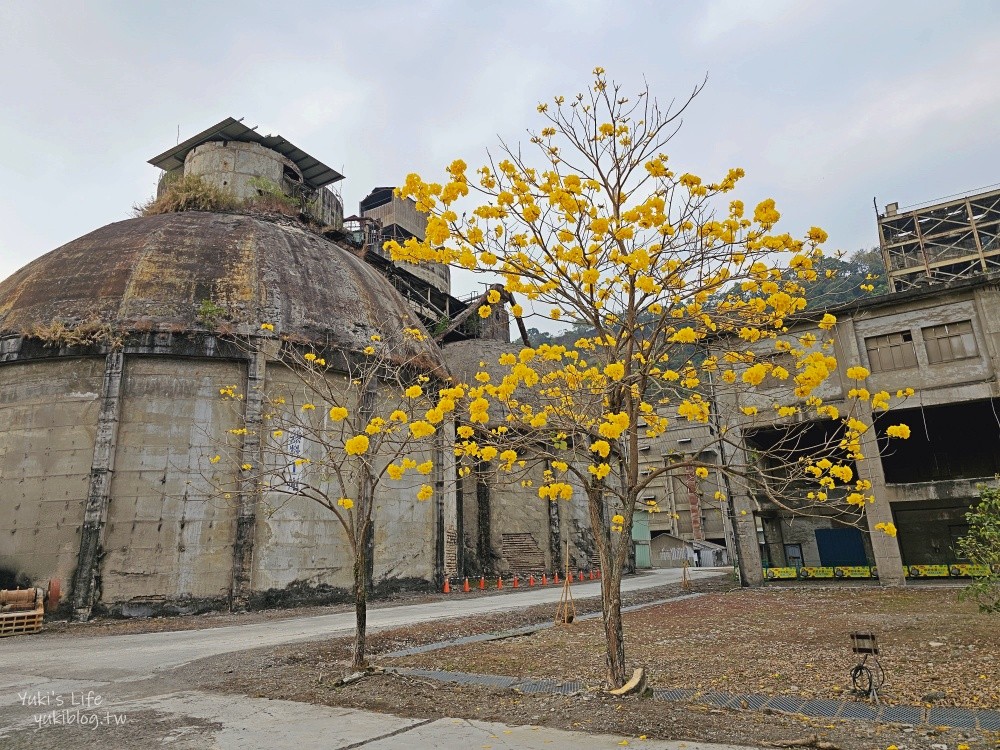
(131,675)
(194,720)
(117,657)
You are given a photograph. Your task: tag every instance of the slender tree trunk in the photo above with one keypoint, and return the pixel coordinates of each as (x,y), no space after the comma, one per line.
(360,608)
(611,590)
(614,638)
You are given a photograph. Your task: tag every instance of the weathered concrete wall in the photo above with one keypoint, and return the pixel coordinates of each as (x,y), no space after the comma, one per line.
(48,411)
(672,492)
(574,523)
(298,542)
(239,167)
(169,534)
(957,380)
(301,545)
(520,527)
(929,531)
(526,533)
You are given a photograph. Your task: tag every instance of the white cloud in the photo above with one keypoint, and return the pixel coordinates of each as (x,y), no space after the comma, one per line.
(724,18)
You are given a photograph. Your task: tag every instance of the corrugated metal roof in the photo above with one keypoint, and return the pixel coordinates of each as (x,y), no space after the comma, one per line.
(315,173)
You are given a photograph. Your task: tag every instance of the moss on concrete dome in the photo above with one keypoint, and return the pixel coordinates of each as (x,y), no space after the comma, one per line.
(163,272)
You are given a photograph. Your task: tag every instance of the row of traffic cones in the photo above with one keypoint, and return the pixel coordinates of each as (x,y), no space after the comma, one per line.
(532,581)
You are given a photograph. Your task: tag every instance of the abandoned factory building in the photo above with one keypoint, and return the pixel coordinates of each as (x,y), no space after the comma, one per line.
(938,332)
(113,349)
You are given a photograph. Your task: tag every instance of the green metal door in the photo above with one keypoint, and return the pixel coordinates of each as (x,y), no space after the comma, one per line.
(641,538)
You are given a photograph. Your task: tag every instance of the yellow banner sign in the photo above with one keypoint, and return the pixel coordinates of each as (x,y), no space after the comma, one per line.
(775,573)
(852,571)
(816,573)
(965,570)
(928,571)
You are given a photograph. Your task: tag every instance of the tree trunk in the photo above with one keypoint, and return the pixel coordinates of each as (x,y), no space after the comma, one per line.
(611,589)
(614,638)
(360,608)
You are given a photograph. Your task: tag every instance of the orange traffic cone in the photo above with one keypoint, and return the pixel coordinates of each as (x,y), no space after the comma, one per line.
(515,581)
(545,580)
(555,578)
(482,583)
(531,580)
(581,575)
(499,582)
(591,575)
(466,587)
(447,587)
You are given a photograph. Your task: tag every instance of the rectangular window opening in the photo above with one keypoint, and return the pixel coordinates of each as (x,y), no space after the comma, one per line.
(950,342)
(892,351)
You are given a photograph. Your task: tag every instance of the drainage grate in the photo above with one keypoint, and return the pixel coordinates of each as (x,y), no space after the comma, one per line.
(462,679)
(989,720)
(785,703)
(431,674)
(497,681)
(962,718)
(859,711)
(746,702)
(673,695)
(902,714)
(465,640)
(568,688)
(821,707)
(535,686)
(714,699)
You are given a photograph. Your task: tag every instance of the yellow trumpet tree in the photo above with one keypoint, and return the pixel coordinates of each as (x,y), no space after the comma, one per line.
(679,285)
(338,428)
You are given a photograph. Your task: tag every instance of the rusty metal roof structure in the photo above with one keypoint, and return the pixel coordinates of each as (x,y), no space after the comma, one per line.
(158,272)
(314,172)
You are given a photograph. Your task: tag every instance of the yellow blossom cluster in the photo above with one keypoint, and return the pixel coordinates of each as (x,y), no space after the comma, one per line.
(356,445)
(556,491)
(682,293)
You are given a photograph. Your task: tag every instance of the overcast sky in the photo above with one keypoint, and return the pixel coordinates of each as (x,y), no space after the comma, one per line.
(824,104)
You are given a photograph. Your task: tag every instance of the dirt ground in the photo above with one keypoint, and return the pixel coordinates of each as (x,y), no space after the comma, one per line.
(775,641)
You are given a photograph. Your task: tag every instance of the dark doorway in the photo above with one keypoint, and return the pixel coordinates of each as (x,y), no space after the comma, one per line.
(929,530)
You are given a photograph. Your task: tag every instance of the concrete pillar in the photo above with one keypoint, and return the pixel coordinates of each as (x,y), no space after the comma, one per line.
(250,491)
(440,532)
(484,541)
(885,548)
(460,520)
(366,490)
(95,515)
(555,536)
(751,568)
(740,509)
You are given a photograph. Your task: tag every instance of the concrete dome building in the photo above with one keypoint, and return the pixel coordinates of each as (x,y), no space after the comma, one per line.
(112,351)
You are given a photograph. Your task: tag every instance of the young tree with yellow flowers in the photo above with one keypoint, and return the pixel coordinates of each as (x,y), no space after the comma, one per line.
(683,291)
(338,428)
